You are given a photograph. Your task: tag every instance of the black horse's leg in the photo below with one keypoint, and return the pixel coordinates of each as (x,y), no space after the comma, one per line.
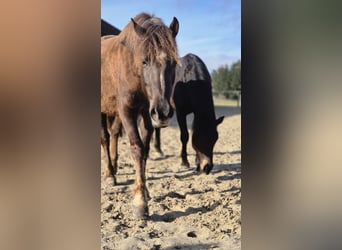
(114,127)
(197,162)
(109,169)
(157,141)
(184,136)
(139,203)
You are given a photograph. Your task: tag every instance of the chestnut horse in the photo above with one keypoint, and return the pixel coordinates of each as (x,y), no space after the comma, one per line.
(192,94)
(137,72)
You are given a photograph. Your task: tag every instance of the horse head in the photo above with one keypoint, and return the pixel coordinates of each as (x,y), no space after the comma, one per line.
(203,141)
(158,60)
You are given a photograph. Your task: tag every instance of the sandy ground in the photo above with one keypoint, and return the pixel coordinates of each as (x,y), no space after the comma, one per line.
(187,210)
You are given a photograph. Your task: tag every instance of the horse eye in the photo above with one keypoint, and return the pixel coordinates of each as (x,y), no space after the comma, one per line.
(145,63)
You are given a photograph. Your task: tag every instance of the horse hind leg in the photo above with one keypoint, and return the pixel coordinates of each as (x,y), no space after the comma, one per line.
(109,172)
(114,127)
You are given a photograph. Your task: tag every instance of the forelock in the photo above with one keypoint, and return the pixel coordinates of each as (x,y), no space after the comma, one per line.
(159,39)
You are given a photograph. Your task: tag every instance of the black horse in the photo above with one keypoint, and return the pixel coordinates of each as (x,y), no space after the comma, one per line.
(192,94)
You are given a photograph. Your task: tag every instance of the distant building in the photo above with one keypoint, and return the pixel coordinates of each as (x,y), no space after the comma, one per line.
(108,29)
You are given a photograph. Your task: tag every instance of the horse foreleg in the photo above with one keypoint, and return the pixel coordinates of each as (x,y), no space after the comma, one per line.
(146,130)
(157,141)
(139,204)
(109,172)
(184,136)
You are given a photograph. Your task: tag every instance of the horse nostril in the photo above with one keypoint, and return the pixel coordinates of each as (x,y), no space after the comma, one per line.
(160,113)
(154,113)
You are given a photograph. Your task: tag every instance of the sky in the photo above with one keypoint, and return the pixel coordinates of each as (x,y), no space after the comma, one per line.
(209,29)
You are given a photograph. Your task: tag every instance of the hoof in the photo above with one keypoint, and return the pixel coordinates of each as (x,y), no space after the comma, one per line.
(110,180)
(207,168)
(140,212)
(198,168)
(161,154)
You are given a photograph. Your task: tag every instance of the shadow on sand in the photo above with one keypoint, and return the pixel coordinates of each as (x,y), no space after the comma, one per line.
(192,246)
(171,216)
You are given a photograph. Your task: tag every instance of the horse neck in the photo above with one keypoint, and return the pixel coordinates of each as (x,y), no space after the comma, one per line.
(205,118)
(124,59)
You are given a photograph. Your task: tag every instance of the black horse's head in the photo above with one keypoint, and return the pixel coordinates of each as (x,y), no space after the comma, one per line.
(203,141)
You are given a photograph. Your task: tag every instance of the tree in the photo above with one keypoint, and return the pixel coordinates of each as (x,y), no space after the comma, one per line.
(226,79)
(235,79)
(220,79)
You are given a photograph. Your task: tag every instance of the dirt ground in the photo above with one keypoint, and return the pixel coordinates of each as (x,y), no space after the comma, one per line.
(187,210)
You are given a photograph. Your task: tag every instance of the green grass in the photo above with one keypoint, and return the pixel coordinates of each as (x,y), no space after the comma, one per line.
(225,102)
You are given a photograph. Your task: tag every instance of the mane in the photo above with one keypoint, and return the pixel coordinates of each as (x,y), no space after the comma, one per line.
(158,38)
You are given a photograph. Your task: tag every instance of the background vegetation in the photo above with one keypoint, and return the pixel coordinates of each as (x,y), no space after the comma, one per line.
(227,81)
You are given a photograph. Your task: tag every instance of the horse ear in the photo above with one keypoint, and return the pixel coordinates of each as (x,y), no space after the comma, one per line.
(138,29)
(174,26)
(219,120)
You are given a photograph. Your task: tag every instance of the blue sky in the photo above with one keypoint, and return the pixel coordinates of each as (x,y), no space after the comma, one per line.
(209,29)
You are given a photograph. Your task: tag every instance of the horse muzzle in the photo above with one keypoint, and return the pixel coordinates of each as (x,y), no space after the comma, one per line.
(204,167)
(160,123)
(160,117)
